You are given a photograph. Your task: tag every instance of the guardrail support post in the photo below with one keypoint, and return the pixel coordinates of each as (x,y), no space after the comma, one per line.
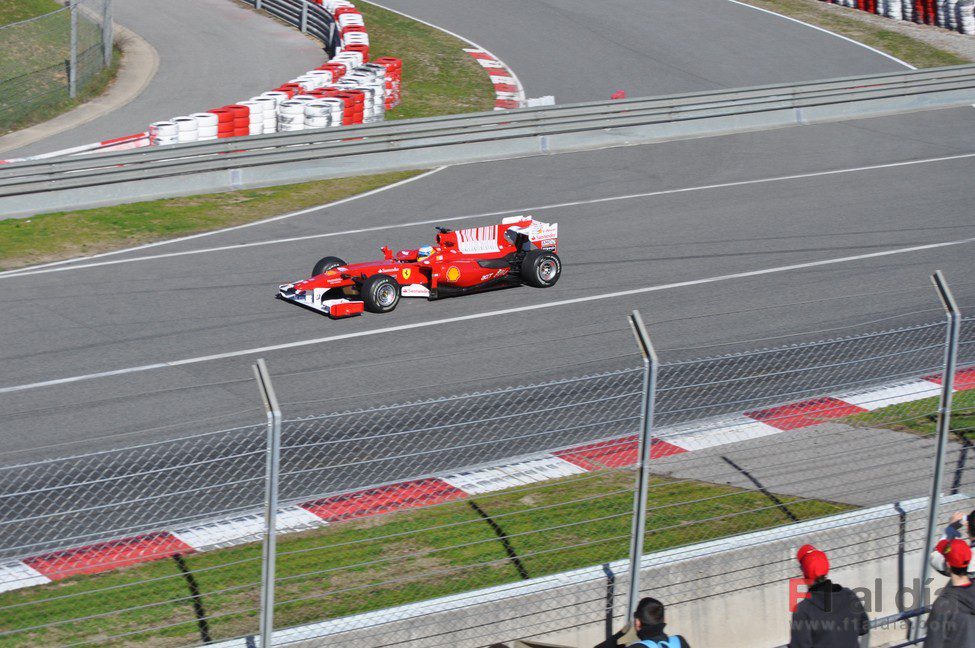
(73,62)
(272,462)
(257,4)
(304,16)
(643,459)
(953,331)
(108,31)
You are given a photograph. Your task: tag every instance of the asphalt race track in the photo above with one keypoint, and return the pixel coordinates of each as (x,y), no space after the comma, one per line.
(643,219)
(584,51)
(211,52)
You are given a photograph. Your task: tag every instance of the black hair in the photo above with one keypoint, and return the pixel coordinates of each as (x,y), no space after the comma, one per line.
(958,571)
(971,525)
(649,611)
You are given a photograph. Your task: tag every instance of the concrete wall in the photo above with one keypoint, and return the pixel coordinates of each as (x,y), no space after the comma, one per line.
(727,593)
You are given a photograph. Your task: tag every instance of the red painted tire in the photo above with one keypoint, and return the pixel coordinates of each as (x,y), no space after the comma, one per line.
(223,115)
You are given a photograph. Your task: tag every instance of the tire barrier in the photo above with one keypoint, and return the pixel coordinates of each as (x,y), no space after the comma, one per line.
(348,89)
(163,132)
(956,15)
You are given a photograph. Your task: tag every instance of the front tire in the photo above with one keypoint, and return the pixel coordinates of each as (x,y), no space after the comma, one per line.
(325,264)
(380,293)
(541,268)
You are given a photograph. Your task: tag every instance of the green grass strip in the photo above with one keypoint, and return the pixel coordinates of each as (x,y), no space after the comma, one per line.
(383,561)
(921,416)
(47,237)
(16,10)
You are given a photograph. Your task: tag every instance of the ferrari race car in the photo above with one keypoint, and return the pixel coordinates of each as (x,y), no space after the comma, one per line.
(520,250)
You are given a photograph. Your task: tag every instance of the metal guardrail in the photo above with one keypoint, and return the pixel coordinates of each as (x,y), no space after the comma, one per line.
(266,160)
(306,16)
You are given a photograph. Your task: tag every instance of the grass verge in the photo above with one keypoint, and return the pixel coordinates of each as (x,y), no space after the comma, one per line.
(69,234)
(921,416)
(12,11)
(383,561)
(836,19)
(439,78)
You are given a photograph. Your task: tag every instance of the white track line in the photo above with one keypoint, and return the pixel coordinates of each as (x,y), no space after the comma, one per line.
(450,219)
(825,31)
(226,229)
(475,316)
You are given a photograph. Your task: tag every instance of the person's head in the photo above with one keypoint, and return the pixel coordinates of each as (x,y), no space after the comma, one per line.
(971,525)
(813,562)
(424,252)
(649,612)
(957,555)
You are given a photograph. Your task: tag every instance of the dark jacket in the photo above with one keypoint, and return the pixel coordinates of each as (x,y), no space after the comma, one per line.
(952,620)
(653,633)
(832,617)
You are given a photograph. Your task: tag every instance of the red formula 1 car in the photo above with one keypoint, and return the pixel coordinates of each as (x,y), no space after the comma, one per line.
(520,250)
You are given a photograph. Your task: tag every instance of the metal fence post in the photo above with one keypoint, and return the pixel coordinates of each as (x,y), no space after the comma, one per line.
(257,4)
(108,31)
(643,460)
(944,426)
(273,459)
(73,61)
(304,16)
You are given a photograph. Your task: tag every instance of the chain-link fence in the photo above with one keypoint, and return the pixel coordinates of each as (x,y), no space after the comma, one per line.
(45,61)
(492,515)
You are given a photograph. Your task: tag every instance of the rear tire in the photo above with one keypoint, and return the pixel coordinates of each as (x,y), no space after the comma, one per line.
(380,293)
(325,264)
(541,268)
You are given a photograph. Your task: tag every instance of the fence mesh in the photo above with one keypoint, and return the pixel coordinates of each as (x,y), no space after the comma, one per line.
(36,55)
(394,517)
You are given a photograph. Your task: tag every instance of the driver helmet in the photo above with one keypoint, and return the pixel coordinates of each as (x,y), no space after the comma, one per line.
(424,252)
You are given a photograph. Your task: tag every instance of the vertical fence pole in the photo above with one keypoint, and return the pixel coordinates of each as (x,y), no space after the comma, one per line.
(257,4)
(273,460)
(73,61)
(304,16)
(643,460)
(944,426)
(108,31)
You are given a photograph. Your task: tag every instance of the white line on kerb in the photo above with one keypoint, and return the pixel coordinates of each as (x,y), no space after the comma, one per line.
(475,316)
(13,274)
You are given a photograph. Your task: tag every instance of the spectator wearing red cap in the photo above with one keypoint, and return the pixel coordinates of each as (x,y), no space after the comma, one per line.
(960,526)
(831,616)
(952,620)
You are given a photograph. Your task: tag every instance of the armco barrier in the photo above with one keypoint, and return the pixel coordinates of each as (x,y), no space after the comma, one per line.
(268,160)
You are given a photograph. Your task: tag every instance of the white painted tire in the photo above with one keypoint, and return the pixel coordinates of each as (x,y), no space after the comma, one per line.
(277,95)
(163,133)
(205,120)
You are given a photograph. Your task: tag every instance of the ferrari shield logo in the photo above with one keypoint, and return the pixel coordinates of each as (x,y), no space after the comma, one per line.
(453,273)
(406,273)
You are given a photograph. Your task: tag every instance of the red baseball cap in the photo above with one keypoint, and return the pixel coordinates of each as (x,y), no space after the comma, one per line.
(813,562)
(956,552)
